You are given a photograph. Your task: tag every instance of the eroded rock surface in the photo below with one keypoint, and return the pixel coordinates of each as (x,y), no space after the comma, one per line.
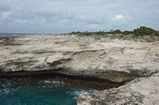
(111,59)
(141,91)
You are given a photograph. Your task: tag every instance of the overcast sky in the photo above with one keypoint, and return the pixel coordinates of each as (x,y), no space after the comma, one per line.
(63,16)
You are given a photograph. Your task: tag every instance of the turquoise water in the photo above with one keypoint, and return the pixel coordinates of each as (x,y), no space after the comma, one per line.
(42,92)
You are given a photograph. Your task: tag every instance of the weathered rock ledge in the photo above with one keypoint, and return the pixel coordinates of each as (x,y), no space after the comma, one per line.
(141,91)
(107,59)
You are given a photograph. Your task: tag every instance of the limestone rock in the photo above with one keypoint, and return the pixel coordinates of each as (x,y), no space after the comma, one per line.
(110,59)
(141,91)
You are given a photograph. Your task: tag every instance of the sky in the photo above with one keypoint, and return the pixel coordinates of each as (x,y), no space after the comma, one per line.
(64,16)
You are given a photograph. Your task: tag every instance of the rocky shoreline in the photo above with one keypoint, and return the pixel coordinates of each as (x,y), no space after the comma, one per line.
(141,91)
(114,60)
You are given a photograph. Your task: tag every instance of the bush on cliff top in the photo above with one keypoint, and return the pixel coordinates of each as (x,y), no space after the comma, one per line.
(142,31)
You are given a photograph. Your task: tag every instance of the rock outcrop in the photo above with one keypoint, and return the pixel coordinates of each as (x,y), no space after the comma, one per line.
(87,56)
(141,91)
(110,59)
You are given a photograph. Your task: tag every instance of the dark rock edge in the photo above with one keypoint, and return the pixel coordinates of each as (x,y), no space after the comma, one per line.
(30,76)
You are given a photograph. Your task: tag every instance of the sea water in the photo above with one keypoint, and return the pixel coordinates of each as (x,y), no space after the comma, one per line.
(42,92)
(10,34)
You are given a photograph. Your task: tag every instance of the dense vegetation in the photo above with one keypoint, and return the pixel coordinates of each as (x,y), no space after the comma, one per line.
(142,31)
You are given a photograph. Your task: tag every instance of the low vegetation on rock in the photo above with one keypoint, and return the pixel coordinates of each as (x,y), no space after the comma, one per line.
(143,34)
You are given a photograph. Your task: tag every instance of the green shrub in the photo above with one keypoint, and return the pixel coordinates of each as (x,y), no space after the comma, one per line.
(142,31)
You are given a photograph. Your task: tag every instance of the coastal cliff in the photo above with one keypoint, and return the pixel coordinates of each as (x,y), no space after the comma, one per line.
(114,60)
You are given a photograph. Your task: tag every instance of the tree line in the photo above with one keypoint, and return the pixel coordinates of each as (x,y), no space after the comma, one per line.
(142,31)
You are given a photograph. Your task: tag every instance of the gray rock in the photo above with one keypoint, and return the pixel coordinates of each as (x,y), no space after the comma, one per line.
(110,59)
(142,91)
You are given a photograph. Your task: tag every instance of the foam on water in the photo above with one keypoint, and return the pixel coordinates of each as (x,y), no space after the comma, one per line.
(52,82)
(76,93)
(44,92)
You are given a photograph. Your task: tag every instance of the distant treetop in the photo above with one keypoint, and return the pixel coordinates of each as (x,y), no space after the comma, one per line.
(142,31)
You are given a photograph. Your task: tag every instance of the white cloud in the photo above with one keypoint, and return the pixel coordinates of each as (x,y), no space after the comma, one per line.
(118,17)
(135,10)
(5,15)
(121,22)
